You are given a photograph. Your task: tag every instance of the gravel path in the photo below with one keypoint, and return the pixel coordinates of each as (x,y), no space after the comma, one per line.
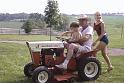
(116,51)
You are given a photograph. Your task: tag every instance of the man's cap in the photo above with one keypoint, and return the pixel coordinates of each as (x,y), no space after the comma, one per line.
(83,17)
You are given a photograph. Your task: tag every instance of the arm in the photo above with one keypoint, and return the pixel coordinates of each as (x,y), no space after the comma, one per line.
(85,38)
(66,33)
(88,33)
(82,39)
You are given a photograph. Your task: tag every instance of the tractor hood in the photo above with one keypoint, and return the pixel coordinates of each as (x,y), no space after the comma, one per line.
(37,46)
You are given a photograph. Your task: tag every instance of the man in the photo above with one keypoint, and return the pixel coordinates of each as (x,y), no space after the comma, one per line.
(85,41)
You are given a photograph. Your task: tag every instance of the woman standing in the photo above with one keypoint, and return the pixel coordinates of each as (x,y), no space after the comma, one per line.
(99,27)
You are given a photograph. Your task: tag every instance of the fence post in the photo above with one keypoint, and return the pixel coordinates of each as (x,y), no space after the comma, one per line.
(122,31)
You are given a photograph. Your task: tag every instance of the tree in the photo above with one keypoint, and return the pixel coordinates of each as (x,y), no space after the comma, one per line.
(27,26)
(39,24)
(36,16)
(64,22)
(52,13)
(37,20)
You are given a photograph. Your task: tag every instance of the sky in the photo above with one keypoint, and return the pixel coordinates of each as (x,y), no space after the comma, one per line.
(65,6)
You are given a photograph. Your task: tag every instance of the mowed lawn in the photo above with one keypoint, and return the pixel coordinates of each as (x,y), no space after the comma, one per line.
(13,57)
(11,24)
(26,37)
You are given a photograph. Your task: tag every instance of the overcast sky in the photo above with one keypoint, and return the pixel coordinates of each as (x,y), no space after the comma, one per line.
(65,6)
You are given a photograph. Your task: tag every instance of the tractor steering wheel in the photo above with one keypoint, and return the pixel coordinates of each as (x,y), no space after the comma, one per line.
(63,38)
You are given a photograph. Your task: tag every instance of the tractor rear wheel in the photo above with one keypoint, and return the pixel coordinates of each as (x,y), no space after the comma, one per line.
(89,68)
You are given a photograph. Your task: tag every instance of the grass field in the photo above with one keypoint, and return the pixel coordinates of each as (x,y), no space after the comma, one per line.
(13,57)
(26,37)
(8,24)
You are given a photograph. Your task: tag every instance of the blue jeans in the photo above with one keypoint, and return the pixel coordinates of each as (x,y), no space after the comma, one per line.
(105,39)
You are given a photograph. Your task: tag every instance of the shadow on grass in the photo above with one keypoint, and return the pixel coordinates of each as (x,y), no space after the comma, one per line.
(29,80)
(21,80)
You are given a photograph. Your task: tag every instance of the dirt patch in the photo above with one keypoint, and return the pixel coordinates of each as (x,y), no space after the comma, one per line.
(116,51)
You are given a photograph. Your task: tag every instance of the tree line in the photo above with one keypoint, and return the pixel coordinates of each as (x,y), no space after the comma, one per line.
(10,17)
(52,19)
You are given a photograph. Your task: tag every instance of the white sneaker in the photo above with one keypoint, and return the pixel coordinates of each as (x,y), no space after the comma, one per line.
(63,66)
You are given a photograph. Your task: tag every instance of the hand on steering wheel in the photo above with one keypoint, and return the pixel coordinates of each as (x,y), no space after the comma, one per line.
(62,38)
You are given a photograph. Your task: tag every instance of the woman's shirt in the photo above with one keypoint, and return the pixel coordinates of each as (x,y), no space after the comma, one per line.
(97,28)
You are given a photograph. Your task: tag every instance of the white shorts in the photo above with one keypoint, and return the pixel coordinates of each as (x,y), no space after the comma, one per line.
(83,49)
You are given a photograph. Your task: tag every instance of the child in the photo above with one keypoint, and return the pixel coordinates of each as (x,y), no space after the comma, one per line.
(74,33)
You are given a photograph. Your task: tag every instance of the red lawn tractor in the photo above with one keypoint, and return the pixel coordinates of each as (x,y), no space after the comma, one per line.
(46,54)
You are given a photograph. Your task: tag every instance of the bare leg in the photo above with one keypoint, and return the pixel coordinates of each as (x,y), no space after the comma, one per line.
(71,50)
(103,47)
(69,55)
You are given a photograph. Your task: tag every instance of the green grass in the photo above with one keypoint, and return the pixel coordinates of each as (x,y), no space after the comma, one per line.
(9,24)
(115,76)
(26,37)
(13,57)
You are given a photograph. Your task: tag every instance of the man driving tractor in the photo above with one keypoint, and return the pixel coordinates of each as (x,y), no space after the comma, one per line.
(85,41)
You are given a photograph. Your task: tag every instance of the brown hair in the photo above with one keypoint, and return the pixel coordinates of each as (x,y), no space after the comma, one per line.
(74,24)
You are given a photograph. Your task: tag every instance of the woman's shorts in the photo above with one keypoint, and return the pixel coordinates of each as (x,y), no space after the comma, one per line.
(105,39)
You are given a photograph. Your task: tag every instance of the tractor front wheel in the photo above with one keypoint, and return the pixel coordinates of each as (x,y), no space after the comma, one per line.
(41,75)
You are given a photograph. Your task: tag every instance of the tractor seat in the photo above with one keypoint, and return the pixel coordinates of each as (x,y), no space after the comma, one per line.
(88,54)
